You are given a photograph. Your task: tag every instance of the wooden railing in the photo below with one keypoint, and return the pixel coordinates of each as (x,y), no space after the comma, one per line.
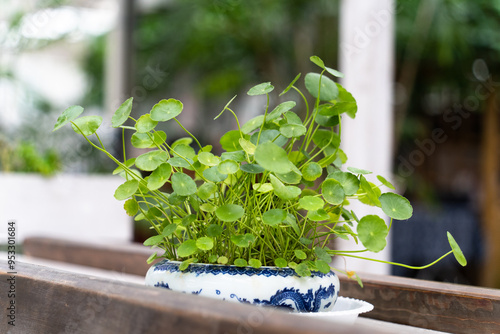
(57,300)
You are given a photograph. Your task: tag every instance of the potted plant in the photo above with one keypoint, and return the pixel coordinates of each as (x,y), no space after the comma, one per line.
(265,211)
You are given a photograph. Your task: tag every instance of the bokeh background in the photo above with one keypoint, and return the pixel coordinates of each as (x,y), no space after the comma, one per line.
(445,142)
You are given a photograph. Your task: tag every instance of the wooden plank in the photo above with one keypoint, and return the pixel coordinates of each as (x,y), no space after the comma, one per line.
(53,301)
(128,258)
(439,306)
(434,305)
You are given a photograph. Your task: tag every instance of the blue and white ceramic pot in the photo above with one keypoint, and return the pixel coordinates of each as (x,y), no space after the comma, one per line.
(266,286)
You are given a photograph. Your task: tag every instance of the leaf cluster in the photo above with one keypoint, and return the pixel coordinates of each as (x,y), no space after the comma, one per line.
(277,196)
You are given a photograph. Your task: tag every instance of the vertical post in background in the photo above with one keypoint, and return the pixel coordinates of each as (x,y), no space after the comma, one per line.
(119,57)
(367,60)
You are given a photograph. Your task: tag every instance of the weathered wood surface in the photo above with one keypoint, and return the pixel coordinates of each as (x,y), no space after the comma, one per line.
(128,258)
(55,302)
(439,306)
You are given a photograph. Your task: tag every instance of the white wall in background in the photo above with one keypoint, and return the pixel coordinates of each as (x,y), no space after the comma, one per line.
(77,207)
(366,58)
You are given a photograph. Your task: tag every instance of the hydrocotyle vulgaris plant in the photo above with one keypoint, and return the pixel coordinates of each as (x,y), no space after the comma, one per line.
(278,195)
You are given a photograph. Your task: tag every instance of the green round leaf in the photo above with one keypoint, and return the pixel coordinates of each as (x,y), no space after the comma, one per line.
(145,124)
(166,110)
(332,191)
(222,260)
(126,189)
(252,168)
(385,182)
(280,109)
(214,231)
(311,203)
(457,252)
(317,60)
(396,206)
(205,243)
(292,130)
(318,215)
(87,125)
(274,217)
(131,207)
(254,263)
(183,184)
(122,113)
(349,181)
(240,263)
(208,159)
(247,146)
(303,270)
(238,156)
(208,207)
(243,240)
(371,192)
(269,135)
(372,231)
(322,254)
(260,89)
(329,90)
(311,171)
(187,248)
(159,176)
(301,255)
(213,174)
(252,124)
(262,187)
(67,116)
(206,190)
(185,264)
(228,167)
(273,158)
(280,262)
(151,160)
(327,121)
(292,177)
(322,266)
(184,151)
(141,140)
(154,240)
(229,212)
(169,229)
(230,141)
(286,193)
(181,162)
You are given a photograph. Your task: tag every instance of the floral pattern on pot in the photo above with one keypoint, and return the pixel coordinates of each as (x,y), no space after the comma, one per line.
(265,286)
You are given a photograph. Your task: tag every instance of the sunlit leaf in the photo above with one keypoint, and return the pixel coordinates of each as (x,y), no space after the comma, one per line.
(187,248)
(229,212)
(280,262)
(166,110)
(274,217)
(240,262)
(126,189)
(159,176)
(122,113)
(332,191)
(252,168)
(280,110)
(243,240)
(254,263)
(260,89)
(213,174)
(396,206)
(67,116)
(372,232)
(262,187)
(329,90)
(145,124)
(154,240)
(131,207)
(87,125)
(252,124)
(349,181)
(208,159)
(230,141)
(273,158)
(457,252)
(311,203)
(317,215)
(151,160)
(183,184)
(292,130)
(247,146)
(311,171)
(205,243)
(300,254)
(228,167)
(206,190)
(385,182)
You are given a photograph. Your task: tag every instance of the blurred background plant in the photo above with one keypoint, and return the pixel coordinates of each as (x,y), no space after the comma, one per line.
(205,52)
